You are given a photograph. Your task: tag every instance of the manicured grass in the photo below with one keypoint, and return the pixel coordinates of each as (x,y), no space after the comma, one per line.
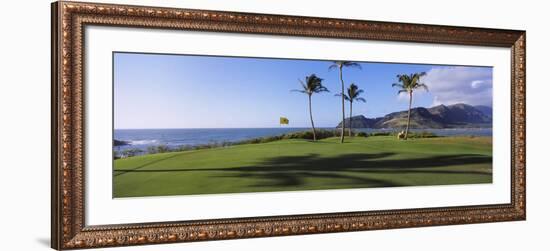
(295,164)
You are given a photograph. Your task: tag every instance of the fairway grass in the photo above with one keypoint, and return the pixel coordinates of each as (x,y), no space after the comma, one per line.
(295,164)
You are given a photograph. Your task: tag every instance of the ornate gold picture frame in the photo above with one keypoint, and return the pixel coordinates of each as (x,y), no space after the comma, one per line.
(69,230)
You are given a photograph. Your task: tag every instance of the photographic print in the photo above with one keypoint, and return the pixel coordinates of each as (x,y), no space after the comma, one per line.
(197,124)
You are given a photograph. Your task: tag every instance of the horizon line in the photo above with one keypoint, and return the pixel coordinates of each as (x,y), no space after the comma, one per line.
(299,127)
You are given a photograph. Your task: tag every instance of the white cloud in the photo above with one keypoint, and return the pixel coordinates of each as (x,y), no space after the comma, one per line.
(458,84)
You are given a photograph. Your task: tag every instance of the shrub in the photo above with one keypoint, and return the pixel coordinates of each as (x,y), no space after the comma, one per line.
(184,148)
(256,140)
(116,154)
(131,152)
(362,134)
(301,135)
(382,134)
(162,148)
(320,134)
(158,149)
(422,134)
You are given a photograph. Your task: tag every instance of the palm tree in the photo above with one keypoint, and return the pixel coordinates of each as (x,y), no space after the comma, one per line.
(340,65)
(313,84)
(353,95)
(408,84)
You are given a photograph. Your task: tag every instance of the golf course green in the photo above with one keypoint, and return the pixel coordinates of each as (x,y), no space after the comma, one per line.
(297,164)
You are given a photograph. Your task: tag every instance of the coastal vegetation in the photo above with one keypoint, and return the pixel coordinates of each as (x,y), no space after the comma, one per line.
(304,135)
(340,65)
(352,95)
(312,85)
(408,84)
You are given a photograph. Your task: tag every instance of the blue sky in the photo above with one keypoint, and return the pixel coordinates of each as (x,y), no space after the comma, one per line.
(181,91)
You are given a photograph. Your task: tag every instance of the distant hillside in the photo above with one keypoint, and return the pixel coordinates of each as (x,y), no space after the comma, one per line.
(487,110)
(441,116)
(361,121)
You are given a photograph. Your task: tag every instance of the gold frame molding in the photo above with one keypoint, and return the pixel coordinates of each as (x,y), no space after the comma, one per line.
(68,226)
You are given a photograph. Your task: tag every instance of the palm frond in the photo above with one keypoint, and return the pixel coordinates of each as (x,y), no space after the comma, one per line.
(341,64)
(361,99)
(416,77)
(424,86)
(340,95)
(405,79)
(354,92)
(398,85)
(322,89)
(303,84)
(312,84)
(351,64)
(333,66)
(410,82)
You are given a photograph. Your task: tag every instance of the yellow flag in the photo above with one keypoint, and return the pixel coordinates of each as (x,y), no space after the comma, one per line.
(283,121)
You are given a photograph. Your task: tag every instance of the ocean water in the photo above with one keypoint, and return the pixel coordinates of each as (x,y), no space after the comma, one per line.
(173,138)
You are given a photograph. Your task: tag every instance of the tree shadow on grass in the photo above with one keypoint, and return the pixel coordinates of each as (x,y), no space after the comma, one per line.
(286,172)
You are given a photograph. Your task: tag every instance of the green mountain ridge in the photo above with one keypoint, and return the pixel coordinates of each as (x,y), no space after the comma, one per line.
(437,117)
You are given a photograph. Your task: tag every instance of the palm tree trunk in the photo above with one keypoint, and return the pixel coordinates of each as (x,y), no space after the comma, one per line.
(343,109)
(409,116)
(350,117)
(311,118)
